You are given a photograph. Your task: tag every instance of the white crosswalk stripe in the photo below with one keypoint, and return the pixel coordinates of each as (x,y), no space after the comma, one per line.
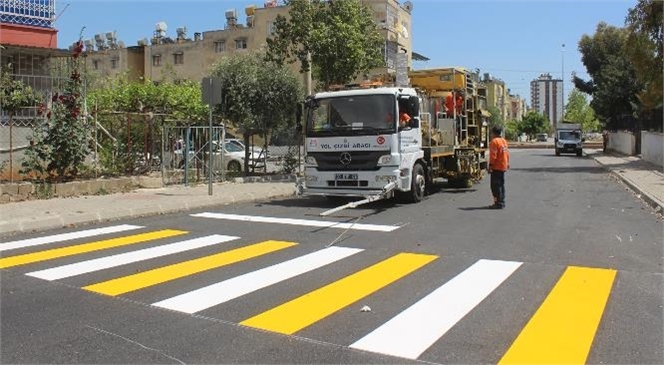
(224,291)
(411,332)
(298,222)
(65,237)
(88,266)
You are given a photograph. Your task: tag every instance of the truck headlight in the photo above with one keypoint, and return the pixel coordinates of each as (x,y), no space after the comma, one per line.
(311,161)
(385,159)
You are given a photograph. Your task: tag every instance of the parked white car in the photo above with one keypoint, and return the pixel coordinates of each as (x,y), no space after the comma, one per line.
(234,157)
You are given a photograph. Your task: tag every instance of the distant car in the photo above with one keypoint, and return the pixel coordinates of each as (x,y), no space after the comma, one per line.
(542,137)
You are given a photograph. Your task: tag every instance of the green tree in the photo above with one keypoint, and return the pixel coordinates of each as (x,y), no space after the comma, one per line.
(613,84)
(496,117)
(644,49)
(14,96)
(117,101)
(534,123)
(340,37)
(577,110)
(258,97)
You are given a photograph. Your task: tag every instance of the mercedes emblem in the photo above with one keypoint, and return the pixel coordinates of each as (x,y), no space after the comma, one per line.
(345,158)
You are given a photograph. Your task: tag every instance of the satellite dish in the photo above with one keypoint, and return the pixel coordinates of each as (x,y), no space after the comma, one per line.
(408,6)
(162,27)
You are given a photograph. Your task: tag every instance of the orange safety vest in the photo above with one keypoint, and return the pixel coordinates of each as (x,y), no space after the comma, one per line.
(499,154)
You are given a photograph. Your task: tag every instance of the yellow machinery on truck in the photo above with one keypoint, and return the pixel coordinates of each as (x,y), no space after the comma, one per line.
(455,135)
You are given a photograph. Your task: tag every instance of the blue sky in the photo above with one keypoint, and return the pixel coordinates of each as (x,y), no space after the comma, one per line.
(514,40)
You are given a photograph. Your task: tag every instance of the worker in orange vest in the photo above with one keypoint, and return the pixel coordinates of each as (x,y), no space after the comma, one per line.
(499,163)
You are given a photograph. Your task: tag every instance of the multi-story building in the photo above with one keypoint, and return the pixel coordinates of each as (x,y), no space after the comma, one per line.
(517,108)
(497,95)
(546,96)
(181,57)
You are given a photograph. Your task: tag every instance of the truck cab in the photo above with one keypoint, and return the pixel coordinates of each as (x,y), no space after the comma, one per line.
(355,145)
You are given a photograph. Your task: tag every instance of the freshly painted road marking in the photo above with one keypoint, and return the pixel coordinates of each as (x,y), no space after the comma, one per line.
(298,222)
(563,328)
(224,291)
(301,312)
(86,247)
(88,266)
(160,275)
(415,329)
(65,237)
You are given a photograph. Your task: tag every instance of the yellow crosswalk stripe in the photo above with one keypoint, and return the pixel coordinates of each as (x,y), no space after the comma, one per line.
(171,272)
(86,247)
(301,312)
(563,328)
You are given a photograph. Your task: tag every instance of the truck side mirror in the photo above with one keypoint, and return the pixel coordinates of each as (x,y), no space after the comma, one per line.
(414,106)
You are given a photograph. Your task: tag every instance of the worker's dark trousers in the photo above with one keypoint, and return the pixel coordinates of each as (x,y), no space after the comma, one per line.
(498,187)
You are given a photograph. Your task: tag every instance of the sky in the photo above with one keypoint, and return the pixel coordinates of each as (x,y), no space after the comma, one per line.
(513,40)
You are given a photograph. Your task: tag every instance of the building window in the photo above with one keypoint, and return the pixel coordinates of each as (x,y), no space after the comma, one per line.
(114,63)
(220,46)
(271,29)
(156,60)
(240,44)
(178,58)
(95,64)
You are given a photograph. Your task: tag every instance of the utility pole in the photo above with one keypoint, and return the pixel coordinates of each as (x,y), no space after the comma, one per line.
(562,117)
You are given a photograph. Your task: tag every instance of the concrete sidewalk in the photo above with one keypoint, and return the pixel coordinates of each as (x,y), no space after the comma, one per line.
(35,215)
(644,178)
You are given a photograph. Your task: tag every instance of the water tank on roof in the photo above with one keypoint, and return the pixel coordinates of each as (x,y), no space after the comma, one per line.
(231,14)
(250,10)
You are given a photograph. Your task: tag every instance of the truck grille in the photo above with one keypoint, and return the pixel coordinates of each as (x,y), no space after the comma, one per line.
(359,160)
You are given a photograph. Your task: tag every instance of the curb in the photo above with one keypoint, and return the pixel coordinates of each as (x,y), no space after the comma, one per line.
(643,195)
(59,221)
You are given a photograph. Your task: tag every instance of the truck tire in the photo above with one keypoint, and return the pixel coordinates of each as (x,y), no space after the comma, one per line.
(579,153)
(418,186)
(557,152)
(460,183)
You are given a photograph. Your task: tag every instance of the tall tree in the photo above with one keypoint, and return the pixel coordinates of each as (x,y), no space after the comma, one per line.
(339,36)
(579,111)
(496,117)
(644,48)
(534,123)
(258,97)
(613,84)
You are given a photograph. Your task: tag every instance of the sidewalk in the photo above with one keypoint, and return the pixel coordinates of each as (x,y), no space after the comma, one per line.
(37,215)
(644,178)
(20,217)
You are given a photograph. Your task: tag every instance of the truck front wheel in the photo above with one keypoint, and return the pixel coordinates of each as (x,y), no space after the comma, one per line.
(418,186)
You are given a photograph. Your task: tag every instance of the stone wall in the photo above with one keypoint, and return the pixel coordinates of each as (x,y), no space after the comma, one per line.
(10,192)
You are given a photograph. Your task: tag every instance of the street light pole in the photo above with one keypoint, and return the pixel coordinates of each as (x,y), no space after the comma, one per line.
(563,83)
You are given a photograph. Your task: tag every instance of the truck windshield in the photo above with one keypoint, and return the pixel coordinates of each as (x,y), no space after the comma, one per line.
(569,135)
(352,115)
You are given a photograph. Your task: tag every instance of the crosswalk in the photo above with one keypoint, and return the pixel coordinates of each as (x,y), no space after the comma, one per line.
(561,330)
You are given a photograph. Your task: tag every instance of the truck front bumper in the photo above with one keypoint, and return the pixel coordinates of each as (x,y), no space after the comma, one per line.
(351,183)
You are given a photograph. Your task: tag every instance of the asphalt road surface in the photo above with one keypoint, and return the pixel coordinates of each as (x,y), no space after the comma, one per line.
(569,272)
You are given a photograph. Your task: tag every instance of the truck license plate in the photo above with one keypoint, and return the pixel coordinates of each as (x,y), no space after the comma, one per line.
(345,176)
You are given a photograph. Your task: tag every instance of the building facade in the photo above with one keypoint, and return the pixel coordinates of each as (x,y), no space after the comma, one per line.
(497,95)
(184,57)
(546,97)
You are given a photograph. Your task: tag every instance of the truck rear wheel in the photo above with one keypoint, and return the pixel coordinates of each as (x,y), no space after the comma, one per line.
(418,186)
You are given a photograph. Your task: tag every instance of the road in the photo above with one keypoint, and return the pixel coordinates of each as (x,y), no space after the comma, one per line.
(569,272)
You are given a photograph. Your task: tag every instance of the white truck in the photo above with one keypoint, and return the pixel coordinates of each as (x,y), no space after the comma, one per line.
(355,146)
(569,138)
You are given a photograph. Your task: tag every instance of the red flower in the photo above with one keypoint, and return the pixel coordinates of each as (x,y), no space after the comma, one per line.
(78,48)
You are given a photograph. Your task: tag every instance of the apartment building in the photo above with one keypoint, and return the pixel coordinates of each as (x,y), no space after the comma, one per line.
(547,98)
(497,95)
(184,57)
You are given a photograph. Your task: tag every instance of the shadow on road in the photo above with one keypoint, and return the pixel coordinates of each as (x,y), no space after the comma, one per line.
(562,169)
(485,207)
